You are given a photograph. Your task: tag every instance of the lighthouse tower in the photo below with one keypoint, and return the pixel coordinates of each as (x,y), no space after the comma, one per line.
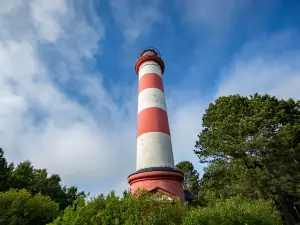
(155,169)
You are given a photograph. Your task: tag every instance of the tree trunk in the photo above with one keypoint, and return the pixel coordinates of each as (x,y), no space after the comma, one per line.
(289,219)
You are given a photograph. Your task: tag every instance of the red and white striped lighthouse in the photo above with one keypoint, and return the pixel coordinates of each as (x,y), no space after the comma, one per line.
(155,162)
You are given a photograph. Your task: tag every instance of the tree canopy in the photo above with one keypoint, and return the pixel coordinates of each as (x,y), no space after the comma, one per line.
(20,207)
(253,147)
(25,176)
(4,171)
(191,176)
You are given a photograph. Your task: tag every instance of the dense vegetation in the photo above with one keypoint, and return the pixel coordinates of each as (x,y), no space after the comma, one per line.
(252,148)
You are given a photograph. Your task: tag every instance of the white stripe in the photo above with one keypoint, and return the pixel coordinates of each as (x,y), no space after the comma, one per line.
(149,67)
(151,97)
(154,149)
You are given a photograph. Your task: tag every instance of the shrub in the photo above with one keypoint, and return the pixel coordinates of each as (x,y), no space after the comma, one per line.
(19,207)
(128,210)
(234,211)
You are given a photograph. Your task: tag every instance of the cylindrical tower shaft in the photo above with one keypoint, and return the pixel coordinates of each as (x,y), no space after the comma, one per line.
(154,148)
(155,163)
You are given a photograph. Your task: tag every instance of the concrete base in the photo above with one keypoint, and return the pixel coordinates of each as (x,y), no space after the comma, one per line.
(167,180)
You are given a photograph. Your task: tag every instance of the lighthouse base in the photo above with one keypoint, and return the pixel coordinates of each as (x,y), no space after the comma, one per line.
(169,181)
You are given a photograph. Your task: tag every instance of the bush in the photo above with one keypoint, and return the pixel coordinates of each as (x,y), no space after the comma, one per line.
(147,210)
(128,210)
(234,211)
(19,207)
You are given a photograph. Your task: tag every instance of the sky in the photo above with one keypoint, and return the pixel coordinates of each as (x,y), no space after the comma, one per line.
(68,89)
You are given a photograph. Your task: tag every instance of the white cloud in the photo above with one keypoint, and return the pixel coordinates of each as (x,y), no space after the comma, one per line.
(135,18)
(46,16)
(38,121)
(185,123)
(8,5)
(268,65)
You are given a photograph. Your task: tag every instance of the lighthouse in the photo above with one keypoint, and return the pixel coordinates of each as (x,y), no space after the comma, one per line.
(155,170)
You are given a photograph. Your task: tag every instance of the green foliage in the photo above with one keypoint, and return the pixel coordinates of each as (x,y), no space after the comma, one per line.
(191,176)
(253,147)
(229,179)
(143,209)
(25,176)
(4,172)
(241,127)
(20,208)
(234,211)
(83,213)
(147,210)
(22,176)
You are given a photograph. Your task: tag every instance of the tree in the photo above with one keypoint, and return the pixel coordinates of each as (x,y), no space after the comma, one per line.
(4,172)
(25,176)
(226,180)
(22,176)
(69,196)
(260,134)
(19,207)
(126,193)
(191,176)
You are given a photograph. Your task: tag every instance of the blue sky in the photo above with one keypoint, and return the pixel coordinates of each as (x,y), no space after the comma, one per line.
(68,89)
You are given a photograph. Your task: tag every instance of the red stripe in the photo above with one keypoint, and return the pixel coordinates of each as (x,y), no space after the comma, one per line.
(150,80)
(153,120)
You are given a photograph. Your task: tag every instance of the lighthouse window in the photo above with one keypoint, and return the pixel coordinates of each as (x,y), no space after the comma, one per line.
(149,52)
